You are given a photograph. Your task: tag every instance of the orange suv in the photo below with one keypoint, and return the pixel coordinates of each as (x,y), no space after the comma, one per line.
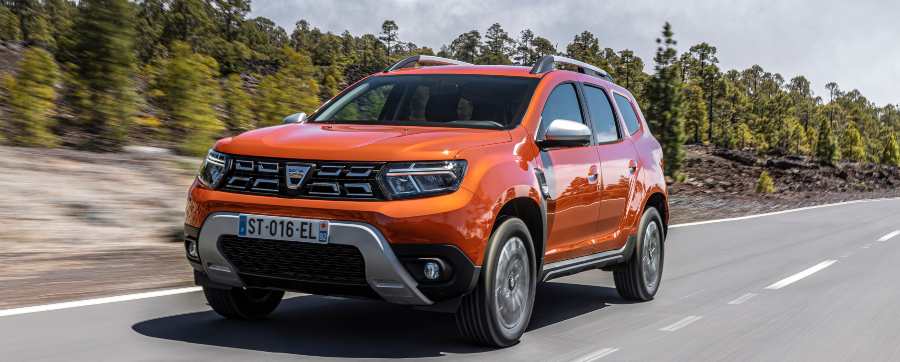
(437,184)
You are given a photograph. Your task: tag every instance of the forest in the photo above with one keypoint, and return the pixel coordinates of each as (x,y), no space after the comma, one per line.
(101,74)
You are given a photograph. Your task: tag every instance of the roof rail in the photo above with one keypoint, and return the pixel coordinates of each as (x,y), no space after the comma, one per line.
(423,59)
(548,63)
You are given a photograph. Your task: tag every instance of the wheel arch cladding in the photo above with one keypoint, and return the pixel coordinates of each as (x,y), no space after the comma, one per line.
(527,210)
(658,201)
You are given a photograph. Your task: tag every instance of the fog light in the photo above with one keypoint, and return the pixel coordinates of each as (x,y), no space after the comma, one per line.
(192,249)
(432,270)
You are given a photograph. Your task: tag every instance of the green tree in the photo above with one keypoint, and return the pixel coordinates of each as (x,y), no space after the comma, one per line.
(187,90)
(466,46)
(497,47)
(105,56)
(586,48)
(151,19)
(765,184)
(707,71)
(666,112)
(292,89)
(236,101)
(852,146)
(33,22)
(9,25)
(827,150)
(231,14)
(389,35)
(695,113)
(31,99)
(192,22)
(891,153)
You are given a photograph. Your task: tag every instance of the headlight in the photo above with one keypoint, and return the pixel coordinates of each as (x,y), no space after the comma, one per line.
(412,179)
(213,169)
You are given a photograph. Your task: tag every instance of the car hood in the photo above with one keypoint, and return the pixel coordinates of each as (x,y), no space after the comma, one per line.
(316,141)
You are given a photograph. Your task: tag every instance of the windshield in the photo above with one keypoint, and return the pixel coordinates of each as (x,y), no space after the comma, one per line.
(478,101)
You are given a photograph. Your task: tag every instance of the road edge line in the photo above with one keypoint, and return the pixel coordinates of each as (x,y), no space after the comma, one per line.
(745,217)
(96,301)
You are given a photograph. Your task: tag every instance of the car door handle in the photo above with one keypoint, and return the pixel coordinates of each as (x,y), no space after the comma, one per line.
(632,167)
(593,175)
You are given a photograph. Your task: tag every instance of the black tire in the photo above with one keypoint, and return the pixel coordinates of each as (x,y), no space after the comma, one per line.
(239,303)
(479,318)
(632,276)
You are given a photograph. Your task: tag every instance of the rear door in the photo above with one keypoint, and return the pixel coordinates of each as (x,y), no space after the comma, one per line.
(617,158)
(573,178)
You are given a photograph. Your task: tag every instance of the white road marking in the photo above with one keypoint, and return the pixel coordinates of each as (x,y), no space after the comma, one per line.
(684,322)
(889,235)
(742,298)
(869,245)
(793,278)
(597,355)
(846,255)
(87,302)
(780,212)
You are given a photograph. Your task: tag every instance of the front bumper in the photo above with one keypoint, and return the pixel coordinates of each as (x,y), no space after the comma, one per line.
(384,271)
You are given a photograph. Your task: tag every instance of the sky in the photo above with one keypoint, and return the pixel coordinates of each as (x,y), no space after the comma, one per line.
(853,43)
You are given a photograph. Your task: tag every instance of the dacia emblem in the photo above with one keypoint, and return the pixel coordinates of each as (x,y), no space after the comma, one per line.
(294,175)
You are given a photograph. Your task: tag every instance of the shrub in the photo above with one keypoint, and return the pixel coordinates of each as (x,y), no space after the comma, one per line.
(765,185)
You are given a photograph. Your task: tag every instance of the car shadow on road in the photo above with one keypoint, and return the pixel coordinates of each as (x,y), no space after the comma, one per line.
(346,328)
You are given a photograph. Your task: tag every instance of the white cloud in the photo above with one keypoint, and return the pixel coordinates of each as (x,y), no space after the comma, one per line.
(852,43)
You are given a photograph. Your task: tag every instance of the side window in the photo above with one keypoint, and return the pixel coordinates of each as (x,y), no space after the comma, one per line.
(562,104)
(631,120)
(602,116)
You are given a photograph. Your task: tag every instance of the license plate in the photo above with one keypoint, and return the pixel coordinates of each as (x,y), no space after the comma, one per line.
(283,228)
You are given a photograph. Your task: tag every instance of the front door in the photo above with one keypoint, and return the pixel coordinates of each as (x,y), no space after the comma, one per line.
(573,179)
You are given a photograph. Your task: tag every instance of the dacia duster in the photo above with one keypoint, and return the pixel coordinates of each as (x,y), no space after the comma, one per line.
(436,184)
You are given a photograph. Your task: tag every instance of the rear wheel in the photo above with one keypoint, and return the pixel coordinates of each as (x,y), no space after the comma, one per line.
(497,312)
(638,279)
(240,303)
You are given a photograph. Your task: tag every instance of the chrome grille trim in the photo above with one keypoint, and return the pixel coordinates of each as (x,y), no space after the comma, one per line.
(341,180)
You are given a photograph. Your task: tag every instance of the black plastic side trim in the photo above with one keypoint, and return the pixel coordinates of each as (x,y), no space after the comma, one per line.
(461,282)
(594,261)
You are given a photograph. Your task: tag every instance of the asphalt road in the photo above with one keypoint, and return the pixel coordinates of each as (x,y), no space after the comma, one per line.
(810,285)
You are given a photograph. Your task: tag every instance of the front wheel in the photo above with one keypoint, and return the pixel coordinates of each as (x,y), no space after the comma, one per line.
(497,312)
(240,303)
(638,279)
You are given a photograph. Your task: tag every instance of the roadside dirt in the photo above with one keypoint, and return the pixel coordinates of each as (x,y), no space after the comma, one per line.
(80,225)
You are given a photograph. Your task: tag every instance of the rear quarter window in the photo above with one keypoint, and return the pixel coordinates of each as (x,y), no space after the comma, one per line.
(628,114)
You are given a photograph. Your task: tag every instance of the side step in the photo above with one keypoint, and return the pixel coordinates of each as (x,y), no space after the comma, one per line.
(594,261)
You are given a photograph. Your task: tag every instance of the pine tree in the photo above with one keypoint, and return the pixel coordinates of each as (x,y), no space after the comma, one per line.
(666,112)
(695,113)
(238,117)
(852,146)
(9,25)
(465,47)
(389,35)
(586,48)
(497,46)
(292,89)
(104,54)
(187,90)
(891,153)
(33,22)
(827,150)
(31,99)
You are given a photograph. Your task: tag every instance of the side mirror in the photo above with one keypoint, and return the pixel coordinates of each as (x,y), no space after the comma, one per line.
(295,118)
(565,133)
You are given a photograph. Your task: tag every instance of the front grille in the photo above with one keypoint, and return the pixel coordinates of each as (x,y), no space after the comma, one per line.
(304,179)
(295,261)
